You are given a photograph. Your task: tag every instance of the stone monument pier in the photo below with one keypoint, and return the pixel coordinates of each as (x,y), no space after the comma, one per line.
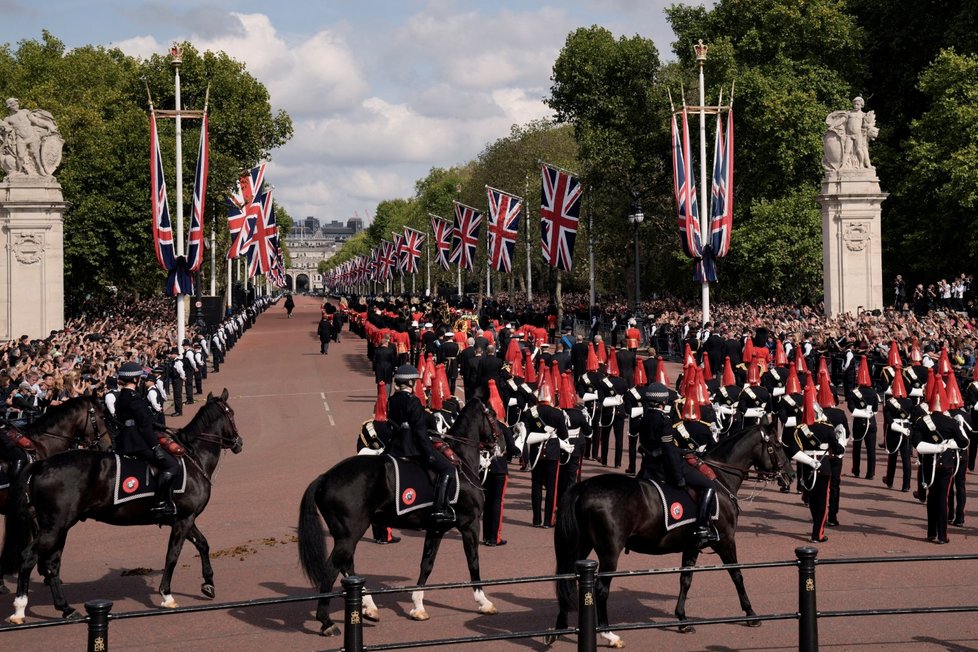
(31,225)
(851,200)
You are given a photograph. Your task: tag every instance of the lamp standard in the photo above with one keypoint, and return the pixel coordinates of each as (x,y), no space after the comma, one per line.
(636,216)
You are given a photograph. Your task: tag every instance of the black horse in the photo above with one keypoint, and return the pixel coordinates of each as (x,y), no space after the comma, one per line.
(54,494)
(361,490)
(77,423)
(611,512)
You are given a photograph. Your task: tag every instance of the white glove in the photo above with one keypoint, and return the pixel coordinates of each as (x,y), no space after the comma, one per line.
(727,410)
(899,427)
(805,458)
(537,437)
(754,413)
(777,391)
(862,413)
(926,447)
(637,412)
(370,451)
(512,401)
(589,397)
(791,422)
(566,446)
(917,392)
(519,436)
(611,401)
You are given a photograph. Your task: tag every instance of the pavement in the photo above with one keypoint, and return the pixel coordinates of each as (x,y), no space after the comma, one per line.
(299,413)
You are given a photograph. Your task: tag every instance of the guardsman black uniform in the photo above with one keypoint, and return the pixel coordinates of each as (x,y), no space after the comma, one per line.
(810,444)
(544,460)
(938,440)
(448,356)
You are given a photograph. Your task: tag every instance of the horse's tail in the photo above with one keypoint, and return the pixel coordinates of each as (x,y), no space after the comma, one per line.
(567,543)
(17,532)
(312,538)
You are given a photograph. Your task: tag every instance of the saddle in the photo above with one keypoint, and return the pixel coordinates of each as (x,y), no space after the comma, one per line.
(679,506)
(414,487)
(17,438)
(136,479)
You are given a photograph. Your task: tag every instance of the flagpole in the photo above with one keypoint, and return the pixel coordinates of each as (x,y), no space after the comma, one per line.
(590,252)
(427,251)
(213,265)
(529,271)
(230,284)
(700,49)
(176,58)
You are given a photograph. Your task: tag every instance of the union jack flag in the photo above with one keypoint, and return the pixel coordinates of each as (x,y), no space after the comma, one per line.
(442,236)
(465,238)
(264,241)
(411,248)
(685,191)
(244,210)
(721,215)
(162,228)
(560,209)
(370,266)
(504,224)
(195,242)
(397,239)
(388,260)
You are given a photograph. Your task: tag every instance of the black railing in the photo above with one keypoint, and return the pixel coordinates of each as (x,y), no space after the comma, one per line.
(99,611)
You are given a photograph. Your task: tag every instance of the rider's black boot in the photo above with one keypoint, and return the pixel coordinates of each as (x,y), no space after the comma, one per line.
(442,513)
(705,532)
(164,508)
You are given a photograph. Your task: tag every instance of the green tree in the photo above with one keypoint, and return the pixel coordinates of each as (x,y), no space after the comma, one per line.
(98,97)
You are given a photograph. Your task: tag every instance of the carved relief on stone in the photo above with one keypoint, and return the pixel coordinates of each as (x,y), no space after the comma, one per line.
(856,236)
(28,247)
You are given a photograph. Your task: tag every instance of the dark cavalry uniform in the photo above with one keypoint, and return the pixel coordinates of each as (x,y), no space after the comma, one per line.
(448,356)
(494,484)
(863,401)
(578,433)
(137,439)
(931,435)
(545,461)
(384,364)
(815,442)
(897,413)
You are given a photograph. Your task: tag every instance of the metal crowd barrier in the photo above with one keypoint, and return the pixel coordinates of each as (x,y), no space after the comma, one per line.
(99,611)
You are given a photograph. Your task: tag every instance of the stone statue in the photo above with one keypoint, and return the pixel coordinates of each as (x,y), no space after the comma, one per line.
(30,144)
(846,141)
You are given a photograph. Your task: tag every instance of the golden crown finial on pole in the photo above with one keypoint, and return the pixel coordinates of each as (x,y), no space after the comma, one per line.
(700,48)
(176,54)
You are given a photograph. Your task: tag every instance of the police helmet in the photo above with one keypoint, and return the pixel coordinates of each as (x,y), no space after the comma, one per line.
(130,372)
(406,373)
(657,393)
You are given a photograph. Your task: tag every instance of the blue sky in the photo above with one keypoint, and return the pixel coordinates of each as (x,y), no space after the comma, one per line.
(379,92)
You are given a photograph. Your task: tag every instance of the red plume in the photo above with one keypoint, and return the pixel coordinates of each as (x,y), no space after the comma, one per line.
(545,391)
(638,378)
(555,373)
(897,388)
(893,359)
(419,391)
(592,358)
(944,363)
(929,387)
(602,352)
(531,374)
(436,395)
(728,374)
(689,376)
(380,409)
(512,350)
(916,357)
(808,407)
(780,359)
(800,363)
(748,355)
(613,363)
(954,398)
(754,374)
(441,381)
(429,371)
(568,397)
(823,367)
(688,358)
(702,391)
(495,402)
(660,372)
(825,396)
(707,372)
(542,371)
(691,407)
(792,385)
(862,374)
(516,366)
(939,402)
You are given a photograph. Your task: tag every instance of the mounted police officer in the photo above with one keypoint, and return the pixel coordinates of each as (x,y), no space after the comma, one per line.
(682,444)
(410,440)
(137,438)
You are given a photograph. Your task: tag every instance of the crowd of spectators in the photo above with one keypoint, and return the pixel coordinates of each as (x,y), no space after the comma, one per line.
(80,358)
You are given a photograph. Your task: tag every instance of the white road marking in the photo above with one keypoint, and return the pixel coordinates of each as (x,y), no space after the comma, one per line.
(331,422)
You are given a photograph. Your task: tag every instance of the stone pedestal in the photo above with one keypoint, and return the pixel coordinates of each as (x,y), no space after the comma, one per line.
(852,259)
(31,257)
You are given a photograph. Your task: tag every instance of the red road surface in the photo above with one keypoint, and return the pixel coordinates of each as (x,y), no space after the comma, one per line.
(299,412)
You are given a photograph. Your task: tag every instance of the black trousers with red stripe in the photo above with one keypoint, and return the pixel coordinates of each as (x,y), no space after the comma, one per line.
(543,491)
(818,499)
(569,474)
(492,514)
(937,503)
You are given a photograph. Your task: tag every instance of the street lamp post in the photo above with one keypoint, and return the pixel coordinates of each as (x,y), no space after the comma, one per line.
(636,216)
(700,49)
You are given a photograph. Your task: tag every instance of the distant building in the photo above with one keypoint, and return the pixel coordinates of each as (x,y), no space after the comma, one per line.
(310,242)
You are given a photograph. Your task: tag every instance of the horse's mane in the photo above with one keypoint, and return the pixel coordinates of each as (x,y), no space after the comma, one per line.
(56,415)
(465,417)
(722,449)
(207,416)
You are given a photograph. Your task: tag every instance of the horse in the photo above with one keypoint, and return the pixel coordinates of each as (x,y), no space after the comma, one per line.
(361,490)
(79,422)
(611,512)
(55,494)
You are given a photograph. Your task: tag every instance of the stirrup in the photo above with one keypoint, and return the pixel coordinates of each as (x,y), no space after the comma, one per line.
(164,509)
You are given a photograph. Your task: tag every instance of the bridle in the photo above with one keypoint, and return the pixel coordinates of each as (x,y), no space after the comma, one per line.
(78,439)
(225,441)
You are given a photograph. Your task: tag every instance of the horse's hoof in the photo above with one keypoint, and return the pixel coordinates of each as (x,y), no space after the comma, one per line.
(373,615)
(208,590)
(754,623)
(169,602)
(329,630)
(488,610)
(419,614)
(687,629)
(550,639)
(613,640)
(71,614)
(15,620)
